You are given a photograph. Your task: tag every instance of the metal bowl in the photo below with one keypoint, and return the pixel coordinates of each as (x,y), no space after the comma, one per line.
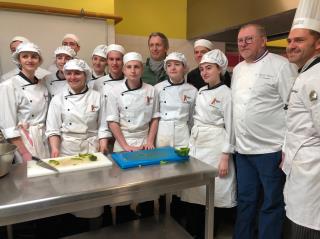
(6,157)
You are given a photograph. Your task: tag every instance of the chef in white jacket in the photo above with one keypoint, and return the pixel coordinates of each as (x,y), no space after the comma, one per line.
(115,75)
(15,42)
(176,98)
(56,82)
(211,139)
(24,105)
(302,146)
(99,64)
(74,118)
(132,109)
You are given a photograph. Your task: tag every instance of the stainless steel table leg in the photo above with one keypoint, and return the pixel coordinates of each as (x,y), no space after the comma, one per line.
(209,221)
(9,232)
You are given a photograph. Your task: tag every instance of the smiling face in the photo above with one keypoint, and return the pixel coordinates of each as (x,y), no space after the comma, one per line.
(61,60)
(133,70)
(99,64)
(157,48)
(76,80)
(210,73)
(115,63)
(29,61)
(175,70)
(251,43)
(302,46)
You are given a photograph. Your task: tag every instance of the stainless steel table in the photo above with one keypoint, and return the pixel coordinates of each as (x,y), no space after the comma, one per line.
(24,199)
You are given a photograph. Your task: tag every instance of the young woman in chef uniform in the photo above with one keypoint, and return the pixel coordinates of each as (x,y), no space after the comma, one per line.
(74,118)
(176,99)
(132,109)
(211,140)
(56,82)
(24,105)
(99,64)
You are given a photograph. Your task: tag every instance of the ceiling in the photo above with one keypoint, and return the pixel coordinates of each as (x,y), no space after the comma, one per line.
(277,27)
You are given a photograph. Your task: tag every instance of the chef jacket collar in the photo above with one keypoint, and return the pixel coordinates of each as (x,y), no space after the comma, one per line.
(71,92)
(28,80)
(58,77)
(139,87)
(262,56)
(213,87)
(94,76)
(173,84)
(310,63)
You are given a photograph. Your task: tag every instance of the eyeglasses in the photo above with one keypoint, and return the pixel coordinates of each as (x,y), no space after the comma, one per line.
(246,40)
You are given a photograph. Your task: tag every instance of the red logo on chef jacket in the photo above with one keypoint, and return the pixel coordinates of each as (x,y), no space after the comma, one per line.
(214,101)
(149,99)
(185,98)
(94,108)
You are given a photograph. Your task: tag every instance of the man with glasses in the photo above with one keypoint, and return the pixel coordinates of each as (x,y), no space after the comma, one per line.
(260,86)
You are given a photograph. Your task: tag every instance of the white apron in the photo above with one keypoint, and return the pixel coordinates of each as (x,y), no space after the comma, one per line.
(206,144)
(133,139)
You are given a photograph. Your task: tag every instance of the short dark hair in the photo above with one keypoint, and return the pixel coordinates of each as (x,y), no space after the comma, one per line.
(163,37)
(260,29)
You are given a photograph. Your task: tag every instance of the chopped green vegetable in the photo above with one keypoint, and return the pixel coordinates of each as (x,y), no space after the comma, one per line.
(93,157)
(54,162)
(182,151)
(76,158)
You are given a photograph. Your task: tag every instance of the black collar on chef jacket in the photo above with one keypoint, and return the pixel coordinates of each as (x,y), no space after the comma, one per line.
(314,62)
(28,80)
(96,77)
(139,87)
(213,87)
(114,79)
(173,84)
(81,93)
(59,79)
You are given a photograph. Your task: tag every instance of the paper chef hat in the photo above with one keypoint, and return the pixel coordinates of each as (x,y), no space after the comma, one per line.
(307,15)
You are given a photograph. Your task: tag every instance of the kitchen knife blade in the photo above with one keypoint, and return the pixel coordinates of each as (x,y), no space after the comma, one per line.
(44,164)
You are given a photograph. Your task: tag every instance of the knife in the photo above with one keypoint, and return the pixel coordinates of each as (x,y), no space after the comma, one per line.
(44,164)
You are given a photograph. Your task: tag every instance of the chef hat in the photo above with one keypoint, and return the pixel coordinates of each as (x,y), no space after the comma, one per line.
(100,50)
(216,57)
(307,15)
(78,65)
(116,47)
(65,50)
(19,38)
(72,36)
(132,56)
(204,43)
(26,47)
(175,56)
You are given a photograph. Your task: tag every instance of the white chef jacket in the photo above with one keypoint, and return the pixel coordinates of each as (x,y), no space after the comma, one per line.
(259,94)
(176,103)
(24,103)
(105,83)
(302,150)
(212,135)
(94,78)
(40,73)
(133,110)
(55,84)
(76,118)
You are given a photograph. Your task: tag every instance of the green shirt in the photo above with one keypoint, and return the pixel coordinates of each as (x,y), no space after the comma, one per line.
(150,77)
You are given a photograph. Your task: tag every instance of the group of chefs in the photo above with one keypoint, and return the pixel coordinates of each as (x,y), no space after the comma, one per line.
(269,119)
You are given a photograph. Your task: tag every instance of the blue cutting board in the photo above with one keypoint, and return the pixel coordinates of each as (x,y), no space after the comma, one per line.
(147,157)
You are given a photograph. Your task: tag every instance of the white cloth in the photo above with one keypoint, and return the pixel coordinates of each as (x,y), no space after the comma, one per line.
(95,77)
(212,135)
(176,109)
(133,110)
(76,119)
(302,151)
(25,104)
(40,74)
(259,93)
(105,83)
(55,84)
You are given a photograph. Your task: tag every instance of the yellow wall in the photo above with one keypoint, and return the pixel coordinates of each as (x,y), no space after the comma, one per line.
(100,6)
(141,17)
(212,16)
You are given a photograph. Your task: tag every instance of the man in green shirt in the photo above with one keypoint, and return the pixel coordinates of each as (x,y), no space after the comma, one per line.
(153,69)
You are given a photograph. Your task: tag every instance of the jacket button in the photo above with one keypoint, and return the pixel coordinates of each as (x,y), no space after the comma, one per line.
(165,113)
(165,101)
(70,123)
(32,115)
(128,120)
(30,101)
(68,109)
(126,107)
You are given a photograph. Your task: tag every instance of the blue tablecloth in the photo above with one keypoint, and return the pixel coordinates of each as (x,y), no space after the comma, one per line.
(147,157)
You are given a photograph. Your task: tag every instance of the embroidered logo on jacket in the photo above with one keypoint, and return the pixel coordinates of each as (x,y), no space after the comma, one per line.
(214,101)
(94,108)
